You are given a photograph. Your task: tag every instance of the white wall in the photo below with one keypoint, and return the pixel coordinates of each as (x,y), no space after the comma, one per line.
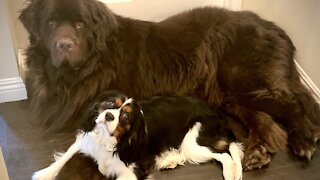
(20,37)
(301,20)
(156,10)
(8,65)
(11,85)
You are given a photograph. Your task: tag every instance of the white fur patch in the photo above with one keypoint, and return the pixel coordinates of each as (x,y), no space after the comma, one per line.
(170,159)
(111,125)
(236,151)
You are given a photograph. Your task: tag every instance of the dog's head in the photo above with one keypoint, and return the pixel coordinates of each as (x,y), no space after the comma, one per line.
(123,118)
(69,30)
(111,99)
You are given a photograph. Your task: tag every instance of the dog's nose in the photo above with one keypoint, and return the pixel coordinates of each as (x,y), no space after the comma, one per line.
(109,117)
(65,44)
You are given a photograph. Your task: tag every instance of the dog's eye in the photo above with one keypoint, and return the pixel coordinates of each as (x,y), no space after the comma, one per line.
(125,116)
(108,104)
(79,25)
(124,119)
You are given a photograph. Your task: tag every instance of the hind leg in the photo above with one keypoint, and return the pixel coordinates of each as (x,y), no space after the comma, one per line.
(310,106)
(289,110)
(261,76)
(265,136)
(196,153)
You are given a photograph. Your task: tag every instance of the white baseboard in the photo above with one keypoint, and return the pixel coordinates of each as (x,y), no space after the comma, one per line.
(12,89)
(308,82)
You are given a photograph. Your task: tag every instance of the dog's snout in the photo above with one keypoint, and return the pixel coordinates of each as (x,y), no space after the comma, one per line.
(65,44)
(109,117)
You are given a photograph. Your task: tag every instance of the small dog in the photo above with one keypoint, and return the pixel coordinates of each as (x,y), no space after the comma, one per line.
(130,139)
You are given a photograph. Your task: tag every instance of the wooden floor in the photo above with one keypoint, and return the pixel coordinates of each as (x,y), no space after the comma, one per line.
(26,150)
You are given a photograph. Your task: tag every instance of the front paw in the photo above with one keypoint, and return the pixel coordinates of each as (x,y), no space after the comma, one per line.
(127,176)
(230,168)
(256,157)
(303,144)
(44,174)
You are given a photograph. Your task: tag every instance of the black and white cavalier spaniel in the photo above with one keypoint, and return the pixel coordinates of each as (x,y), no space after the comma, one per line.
(130,139)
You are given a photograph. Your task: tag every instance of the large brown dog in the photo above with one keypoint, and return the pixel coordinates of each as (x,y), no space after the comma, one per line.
(78,48)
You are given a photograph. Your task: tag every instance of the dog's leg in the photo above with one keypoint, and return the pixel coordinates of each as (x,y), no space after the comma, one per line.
(122,171)
(194,153)
(295,109)
(265,136)
(236,151)
(52,171)
(170,159)
(127,174)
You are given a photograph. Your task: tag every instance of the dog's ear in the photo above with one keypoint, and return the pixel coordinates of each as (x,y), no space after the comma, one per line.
(104,23)
(30,19)
(131,146)
(91,115)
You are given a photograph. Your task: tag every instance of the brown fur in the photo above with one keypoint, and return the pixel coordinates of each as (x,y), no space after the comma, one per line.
(80,167)
(233,59)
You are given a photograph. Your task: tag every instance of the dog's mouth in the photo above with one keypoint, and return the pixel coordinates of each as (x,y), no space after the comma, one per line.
(72,58)
(62,57)
(66,60)
(104,125)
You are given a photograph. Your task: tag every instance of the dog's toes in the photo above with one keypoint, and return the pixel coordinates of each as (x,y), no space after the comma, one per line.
(44,174)
(256,159)
(170,165)
(303,145)
(257,163)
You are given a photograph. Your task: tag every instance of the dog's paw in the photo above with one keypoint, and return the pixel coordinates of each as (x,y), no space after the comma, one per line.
(127,178)
(303,144)
(256,157)
(169,165)
(129,175)
(170,159)
(44,174)
(236,151)
(231,170)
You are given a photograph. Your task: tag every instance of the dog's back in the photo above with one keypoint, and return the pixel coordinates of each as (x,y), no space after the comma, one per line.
(169,118)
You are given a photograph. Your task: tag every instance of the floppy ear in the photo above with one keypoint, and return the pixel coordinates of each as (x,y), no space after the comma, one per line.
(131,146)
(91,116)
(30,18)
(103,23)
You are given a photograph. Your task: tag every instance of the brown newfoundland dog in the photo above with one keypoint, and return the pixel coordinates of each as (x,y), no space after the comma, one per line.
(236,60)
